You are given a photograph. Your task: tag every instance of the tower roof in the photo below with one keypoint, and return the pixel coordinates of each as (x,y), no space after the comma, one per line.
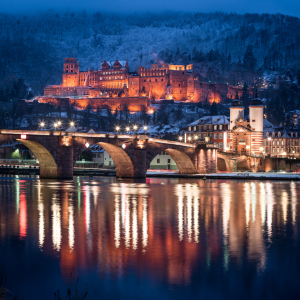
(256,101)
(237,103)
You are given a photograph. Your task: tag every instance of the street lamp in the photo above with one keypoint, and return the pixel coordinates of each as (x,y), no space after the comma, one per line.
(72,124)
(189,138)
(180,138)
(59,123)
(42,124)
(135,128)
(127,129)
(196,137)
(55,125)
(118,129)
(145,129)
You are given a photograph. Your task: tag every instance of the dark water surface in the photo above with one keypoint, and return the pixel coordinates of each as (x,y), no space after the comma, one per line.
(153,239)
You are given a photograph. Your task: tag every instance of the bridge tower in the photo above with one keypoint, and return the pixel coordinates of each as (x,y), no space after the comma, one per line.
(256,116)
(236,110)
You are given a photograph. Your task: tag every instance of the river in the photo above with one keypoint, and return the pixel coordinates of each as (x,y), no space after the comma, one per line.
(152,238)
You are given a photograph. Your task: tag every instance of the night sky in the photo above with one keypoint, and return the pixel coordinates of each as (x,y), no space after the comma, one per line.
(289,7)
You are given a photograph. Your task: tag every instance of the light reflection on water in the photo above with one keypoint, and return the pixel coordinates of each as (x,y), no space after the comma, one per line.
(177,238)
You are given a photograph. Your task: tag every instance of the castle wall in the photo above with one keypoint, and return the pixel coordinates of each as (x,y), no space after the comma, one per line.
(134,86)
(178,81)
(191,87)
(205,91)
(153,86)
(134,104)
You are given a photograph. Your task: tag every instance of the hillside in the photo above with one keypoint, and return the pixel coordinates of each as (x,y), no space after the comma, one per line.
(33,47)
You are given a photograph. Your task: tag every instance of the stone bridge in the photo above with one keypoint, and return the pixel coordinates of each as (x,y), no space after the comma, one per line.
(57,152)
(232,162)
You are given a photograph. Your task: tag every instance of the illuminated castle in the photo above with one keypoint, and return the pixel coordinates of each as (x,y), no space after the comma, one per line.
(162,81)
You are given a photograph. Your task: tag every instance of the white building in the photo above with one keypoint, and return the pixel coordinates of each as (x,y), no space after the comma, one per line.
(217,126)
(101,157)
(163,161)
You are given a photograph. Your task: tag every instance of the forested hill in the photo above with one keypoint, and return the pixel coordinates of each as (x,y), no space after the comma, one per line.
(33,47)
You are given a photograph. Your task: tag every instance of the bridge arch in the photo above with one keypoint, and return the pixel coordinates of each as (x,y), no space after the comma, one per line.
(48,165)
(123,163)
(183,161)
(222,164)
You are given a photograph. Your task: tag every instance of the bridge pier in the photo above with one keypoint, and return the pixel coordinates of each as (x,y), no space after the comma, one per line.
(65,162)
(206,159)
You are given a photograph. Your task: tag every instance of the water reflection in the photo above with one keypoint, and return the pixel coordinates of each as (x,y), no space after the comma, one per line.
(169,231)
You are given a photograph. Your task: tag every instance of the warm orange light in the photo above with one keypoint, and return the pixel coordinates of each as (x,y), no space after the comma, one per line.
(23,136)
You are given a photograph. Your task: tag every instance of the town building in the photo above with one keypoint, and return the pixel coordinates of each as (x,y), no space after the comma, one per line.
(163,161)
(282,142)
(101,157)
(216,128)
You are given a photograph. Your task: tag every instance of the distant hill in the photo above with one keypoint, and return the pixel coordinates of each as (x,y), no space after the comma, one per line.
(33,47)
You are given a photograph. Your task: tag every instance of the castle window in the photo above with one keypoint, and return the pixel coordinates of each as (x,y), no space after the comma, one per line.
(162,80)
(215,136)
(100,78)
(220,127)
(144,80)
(179,84)
(220,135)
(149,80)
(215,127)
(155,79)
(71,71)
(67,71)
(180,92)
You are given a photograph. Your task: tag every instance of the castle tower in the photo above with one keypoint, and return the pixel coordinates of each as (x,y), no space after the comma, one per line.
(256,118)
(71,72)
(236,110)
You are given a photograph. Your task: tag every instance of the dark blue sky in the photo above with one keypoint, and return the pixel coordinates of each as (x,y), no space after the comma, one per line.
(290,7)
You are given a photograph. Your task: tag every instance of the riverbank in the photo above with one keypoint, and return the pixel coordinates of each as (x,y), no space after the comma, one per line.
(238,175)
(161,174)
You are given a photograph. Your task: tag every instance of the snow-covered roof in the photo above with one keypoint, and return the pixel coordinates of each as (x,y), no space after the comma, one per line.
(10,144)
(111,64)
(96,149)
(281,133)
(208,120)
(71,129)
(267,124)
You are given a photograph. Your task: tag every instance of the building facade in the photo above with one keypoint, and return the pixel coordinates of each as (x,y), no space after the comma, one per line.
(281,142)
(216,128)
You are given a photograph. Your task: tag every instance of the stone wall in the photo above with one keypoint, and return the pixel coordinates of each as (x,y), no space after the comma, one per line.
(134,104)
(285,164)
